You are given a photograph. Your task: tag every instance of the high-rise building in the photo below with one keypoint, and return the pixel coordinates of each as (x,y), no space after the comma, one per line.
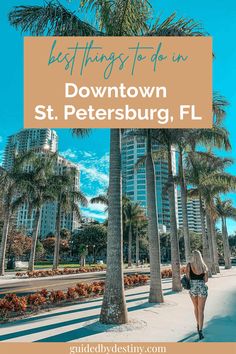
(29,139)
(134,179)
(194,216)
(41,141)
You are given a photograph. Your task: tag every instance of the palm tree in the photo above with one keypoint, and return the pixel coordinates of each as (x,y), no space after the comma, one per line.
(114,18)
(206,174)
(38,190)
(133,213)
(11,187)
(67,201)
(183,138)
(187,139)
(140,227)
(225,209)
(155,292)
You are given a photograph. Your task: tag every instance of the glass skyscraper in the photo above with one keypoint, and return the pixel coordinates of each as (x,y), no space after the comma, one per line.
(134,179)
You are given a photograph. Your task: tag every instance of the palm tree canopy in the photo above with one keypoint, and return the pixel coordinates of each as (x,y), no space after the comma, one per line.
(225,208)
(52,19)
(120,17)
(114,18)
(12,181)
(205,173)
(133,213)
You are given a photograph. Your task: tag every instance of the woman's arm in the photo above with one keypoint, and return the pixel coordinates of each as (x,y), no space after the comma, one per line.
(188,271)
(206,277)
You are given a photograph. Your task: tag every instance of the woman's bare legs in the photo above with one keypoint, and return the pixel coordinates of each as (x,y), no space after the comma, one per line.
(201,306)
(195,304)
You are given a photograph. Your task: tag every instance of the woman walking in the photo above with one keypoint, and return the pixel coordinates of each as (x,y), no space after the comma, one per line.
(197,273)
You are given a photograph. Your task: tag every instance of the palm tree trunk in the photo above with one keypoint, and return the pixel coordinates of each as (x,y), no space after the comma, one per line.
(226,244)
(137,247)
(114,310)
(3,246)
(175,257)
(82,261)
(130,247)
(205,244)
(155,294)
(37,218)
(215,248)
(58,238)
(184,202)
(209,236)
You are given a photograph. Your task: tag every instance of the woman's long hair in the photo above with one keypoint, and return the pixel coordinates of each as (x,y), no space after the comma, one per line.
(197,262)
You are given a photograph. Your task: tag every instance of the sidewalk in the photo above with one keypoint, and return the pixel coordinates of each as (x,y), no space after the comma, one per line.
(169,322)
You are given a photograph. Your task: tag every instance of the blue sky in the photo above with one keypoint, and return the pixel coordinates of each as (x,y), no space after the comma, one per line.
(218,19)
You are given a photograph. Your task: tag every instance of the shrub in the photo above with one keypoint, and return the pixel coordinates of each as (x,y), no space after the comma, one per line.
(12,303)
(36,300)
(57,296)
(65,271)
(44,293)
(71,294)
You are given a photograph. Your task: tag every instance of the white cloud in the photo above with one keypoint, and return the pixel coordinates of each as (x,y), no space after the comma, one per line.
(86,153)
(93,214)
(69,153)
(94,175)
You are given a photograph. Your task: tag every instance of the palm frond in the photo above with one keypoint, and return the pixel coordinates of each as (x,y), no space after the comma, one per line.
(129,18)
(176,27)
(52,19)
(100,199)
(218,107)
(160,154)
(103,9)
(140,163)
(79,197)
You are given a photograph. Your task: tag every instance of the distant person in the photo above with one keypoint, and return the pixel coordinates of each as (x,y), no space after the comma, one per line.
(197,273)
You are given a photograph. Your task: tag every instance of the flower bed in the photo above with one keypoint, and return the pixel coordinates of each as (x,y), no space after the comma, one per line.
(12,306)
(65,271)
(165,273)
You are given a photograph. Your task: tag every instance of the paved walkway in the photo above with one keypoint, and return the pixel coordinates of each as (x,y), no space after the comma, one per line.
(172,321)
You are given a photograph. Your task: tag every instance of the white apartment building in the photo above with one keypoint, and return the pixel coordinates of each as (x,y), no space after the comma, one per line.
(42,141)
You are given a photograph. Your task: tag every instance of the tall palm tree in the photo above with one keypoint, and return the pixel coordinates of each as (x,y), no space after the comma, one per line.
(187,139)
(68,200)
(155,292)
(183,137)
(114,18)
(140,228)
(11,188)
(133,213)
(38,190)
(225,209)
(206,174)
